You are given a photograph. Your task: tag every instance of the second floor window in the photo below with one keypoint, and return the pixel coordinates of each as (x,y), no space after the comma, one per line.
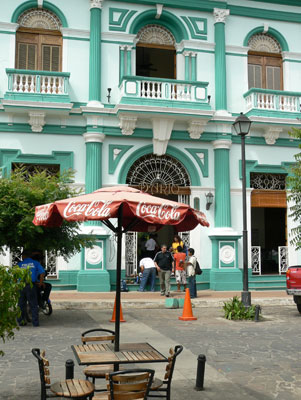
(264,63)
(39,41)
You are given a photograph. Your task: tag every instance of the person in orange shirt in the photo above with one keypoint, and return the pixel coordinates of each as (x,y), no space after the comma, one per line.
(179,258)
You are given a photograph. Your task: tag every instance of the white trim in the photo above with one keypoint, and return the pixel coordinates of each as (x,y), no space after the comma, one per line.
(9,26)
(195,44)
(237,49)
(222,144)
(36,104)
(94,137)
(118,37)
(79,33)
(287,55)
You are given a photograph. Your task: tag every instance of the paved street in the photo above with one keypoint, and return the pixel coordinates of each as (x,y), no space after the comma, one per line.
(244,359)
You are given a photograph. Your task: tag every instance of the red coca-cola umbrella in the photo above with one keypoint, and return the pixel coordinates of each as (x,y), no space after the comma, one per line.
(135,211)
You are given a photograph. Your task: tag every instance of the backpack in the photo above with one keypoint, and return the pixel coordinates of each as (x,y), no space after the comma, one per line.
(198,270)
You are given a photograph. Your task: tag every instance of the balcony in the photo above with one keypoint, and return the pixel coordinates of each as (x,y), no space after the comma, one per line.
(37,86)
(273,103)
(140,90)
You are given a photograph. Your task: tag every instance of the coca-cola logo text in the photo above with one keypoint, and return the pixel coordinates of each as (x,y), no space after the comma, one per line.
(42,214)
(163,211)
(99,209)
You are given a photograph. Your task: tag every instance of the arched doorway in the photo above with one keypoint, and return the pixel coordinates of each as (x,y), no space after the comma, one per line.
(162,176)
(264,62)
(155,53)
(39,41)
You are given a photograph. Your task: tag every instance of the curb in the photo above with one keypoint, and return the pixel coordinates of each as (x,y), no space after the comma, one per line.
(158,304)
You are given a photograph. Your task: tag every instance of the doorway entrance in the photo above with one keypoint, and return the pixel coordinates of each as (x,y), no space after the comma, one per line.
(161,176)
(269,233)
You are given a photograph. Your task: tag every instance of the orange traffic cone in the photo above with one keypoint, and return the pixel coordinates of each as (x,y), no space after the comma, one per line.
(187,309)
(114,313)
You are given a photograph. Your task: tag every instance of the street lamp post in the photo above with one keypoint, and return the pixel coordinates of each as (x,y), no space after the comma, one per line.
(242,126)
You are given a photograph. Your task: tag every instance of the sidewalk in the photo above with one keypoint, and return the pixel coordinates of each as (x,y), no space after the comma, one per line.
(72,299)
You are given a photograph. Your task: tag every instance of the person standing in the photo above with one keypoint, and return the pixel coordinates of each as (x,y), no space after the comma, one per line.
(29,293)
(179,258)
(190,271)
(150,247)
(148,269)
(177,241)
(165,264)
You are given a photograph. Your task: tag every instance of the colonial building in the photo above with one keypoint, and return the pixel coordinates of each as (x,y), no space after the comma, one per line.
(145,94)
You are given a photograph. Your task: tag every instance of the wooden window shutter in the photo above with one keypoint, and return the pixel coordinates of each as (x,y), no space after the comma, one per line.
(51,58)
(27,56)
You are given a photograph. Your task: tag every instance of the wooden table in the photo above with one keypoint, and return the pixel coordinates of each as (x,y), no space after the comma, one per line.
(92,354)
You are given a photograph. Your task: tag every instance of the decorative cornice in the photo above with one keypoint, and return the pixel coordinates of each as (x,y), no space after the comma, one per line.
(196,127)
(220,15)
(96,4)
(77,33)
(8,26)
(94,137)
(271,134)
(222,144)
(36,121)
(127,124)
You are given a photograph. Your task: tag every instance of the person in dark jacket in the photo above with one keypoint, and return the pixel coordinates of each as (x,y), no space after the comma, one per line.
(165,264)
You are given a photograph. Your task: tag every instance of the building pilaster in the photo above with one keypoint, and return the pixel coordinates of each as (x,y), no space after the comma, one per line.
(93,142)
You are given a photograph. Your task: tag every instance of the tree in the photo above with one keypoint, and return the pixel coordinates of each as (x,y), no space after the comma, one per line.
(294,194)
(12,281)
(20,194)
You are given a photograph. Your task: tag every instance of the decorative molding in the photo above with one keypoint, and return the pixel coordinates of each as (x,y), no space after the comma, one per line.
(155,34)
(40,3)
(271,134)
(220,15)
(227,254)
(221,144)
(39,18)
(36,121)
(159,11)
(162,128)
(264,43)
(201,157)
(116,152)
(196,127)
(127,124)
(119,18)
(197,27)
(96,4)
(94,137)
(94,255)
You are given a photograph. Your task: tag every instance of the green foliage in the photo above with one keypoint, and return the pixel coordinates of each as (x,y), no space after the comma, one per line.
(235,309)
(12,281)
(294,194)
(20,194)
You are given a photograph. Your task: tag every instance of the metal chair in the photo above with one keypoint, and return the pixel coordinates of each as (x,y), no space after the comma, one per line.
(164,385)
(79,389)
(98,371)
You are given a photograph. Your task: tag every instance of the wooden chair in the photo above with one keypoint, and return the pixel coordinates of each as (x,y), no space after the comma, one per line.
(127,385)
(161,388)
(103,335)
(79,389)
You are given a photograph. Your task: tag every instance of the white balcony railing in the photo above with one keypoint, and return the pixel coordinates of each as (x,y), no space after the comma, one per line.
(272,100)
(37,82)
(163,89)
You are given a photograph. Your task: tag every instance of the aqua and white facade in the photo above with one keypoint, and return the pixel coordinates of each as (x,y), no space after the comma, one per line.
(129,88)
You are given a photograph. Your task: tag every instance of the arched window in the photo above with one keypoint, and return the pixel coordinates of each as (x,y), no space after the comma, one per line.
(155,53)
(264,62)
(39,41)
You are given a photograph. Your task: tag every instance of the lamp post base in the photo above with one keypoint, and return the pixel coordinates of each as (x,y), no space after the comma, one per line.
(246,298)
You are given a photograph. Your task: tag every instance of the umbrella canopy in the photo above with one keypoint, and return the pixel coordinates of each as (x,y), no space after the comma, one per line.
(134,210)
(141,211)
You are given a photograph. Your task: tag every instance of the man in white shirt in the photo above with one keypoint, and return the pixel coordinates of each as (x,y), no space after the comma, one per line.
(148,269)
(190,271)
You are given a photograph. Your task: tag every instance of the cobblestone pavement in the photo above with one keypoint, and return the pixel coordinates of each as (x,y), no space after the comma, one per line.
(244,359)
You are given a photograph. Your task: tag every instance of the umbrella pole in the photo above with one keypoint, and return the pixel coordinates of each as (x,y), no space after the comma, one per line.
(118,279)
